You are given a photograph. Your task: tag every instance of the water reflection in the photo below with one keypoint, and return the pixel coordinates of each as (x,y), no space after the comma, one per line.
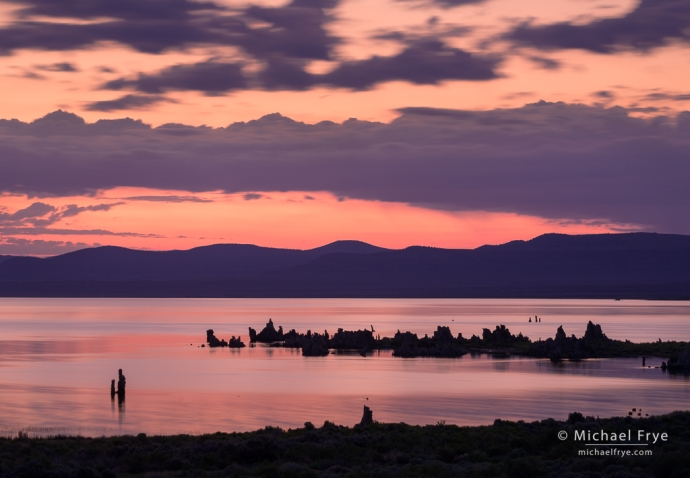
(57,378)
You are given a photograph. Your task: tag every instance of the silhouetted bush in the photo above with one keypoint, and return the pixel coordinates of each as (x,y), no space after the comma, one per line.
(505,449)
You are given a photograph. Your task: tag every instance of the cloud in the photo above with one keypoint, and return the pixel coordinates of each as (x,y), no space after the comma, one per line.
(252,196)
(39,215)
(171,199)
(426,61)
(37,209)
(604,94)
(279,40)
(37,247)
(296,30)
(661,96)
(545,63)
(127,102)
(446,3)
(155,26)
(124,9)
(554,160)
(59,67)
(61,122)
(209,77)
(72,209)
(456,3)
(285,74)
(45,231)
(652,24)
(32,75)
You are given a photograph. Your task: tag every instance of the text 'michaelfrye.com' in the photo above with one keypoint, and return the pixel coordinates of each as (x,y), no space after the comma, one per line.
(618,443)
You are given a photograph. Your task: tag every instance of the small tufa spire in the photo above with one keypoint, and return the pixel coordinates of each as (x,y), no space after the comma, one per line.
(367,417)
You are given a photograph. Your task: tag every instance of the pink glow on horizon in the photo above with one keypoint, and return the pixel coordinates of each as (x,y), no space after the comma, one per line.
(163,220)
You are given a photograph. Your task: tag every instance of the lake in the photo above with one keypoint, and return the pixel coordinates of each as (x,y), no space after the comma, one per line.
(57,357)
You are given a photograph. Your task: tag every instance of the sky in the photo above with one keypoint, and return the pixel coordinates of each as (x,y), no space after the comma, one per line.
(171,124)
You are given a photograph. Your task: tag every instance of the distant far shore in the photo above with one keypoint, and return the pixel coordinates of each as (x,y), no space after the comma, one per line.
(551,266)
(236,289)
(632,445)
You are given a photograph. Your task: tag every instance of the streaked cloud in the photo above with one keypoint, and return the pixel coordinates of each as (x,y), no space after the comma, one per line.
(172,199)
(208,77)
(63,67)
(127,102)
(42,214)
(18,246)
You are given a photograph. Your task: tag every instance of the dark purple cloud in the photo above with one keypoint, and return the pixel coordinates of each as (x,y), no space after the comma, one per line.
(456,3)
(424,62)
(285,74)
(148,37)
(296,30)
(663,96)
(127,102)
(36,209)
(171,199)
(208,77)
(283,40)
(652,24)
(447,3)
(553,160)
(604,94)
(40,214)
(39,247)
(125,9)
(252,196)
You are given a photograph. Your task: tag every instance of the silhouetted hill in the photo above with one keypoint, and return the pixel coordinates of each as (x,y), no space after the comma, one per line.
(547,262)
(350,247)
(4,258)
(638,265)
(638,241)
(220,261)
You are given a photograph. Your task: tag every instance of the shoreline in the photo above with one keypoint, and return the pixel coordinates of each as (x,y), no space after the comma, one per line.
(504,449)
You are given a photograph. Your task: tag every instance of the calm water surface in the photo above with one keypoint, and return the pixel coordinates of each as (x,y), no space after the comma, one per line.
(57,357)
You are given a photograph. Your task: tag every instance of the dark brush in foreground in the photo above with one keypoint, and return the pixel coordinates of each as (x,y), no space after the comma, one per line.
(594,344)
(547,448)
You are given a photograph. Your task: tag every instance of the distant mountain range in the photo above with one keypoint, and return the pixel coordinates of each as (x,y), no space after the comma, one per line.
(634,265)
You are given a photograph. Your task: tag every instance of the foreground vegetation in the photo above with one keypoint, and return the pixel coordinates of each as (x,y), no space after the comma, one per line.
(505,449)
